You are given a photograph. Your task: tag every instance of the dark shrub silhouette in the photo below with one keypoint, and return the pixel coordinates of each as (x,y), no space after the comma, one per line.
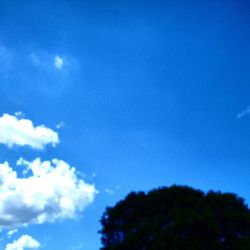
(177,218)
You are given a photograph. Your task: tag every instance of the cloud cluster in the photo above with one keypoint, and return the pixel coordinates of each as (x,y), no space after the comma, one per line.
(36,192)
(51,191)
(16,131)
(25,241)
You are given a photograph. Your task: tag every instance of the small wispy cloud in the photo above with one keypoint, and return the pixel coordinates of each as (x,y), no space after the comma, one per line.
(58,62)
(60,125)
(76,247)
(11,232)
(111,191)
(19,114)
(244,112)
(47,61)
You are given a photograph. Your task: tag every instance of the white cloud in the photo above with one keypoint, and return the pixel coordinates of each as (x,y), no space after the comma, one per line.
(58,62)
(111,191)
(60,125)
(52,191)
(11,232)
(47,61)
(76,247)
(243,113)
(24,242)
(21,132)
(19,114)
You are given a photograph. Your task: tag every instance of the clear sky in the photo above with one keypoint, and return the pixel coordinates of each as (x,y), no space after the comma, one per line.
(133,94)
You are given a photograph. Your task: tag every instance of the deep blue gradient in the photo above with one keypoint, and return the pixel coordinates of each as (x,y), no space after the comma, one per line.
(149,96)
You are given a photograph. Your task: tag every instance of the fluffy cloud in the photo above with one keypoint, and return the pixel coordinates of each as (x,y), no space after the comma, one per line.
(25,241)
(47,191)
(16,131)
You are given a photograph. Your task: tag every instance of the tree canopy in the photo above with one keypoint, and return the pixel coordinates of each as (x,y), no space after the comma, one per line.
(177,218)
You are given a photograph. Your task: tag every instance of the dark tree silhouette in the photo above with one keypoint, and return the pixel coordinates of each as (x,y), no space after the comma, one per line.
(177,218)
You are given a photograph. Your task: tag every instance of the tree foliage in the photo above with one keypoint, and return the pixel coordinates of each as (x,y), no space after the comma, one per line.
(177,218)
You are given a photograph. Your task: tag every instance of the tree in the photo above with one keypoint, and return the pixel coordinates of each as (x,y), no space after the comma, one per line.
(177,218)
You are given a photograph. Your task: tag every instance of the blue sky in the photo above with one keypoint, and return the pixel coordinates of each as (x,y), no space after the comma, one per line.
(140,94)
